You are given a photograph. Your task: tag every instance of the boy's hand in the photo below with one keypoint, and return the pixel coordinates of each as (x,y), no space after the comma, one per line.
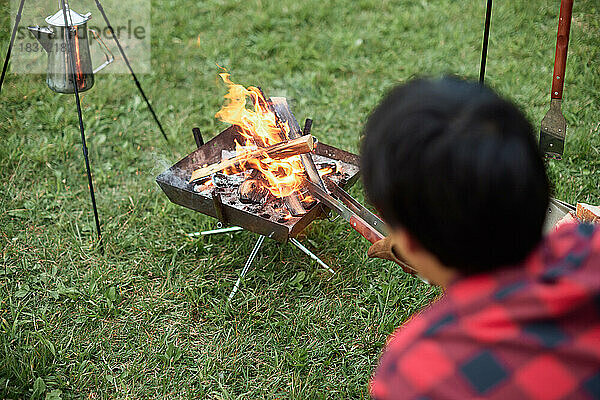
(383,249)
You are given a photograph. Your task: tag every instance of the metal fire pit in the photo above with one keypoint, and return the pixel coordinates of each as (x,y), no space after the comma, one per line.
(174,182)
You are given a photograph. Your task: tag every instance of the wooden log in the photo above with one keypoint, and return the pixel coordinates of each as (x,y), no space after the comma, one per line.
(282,110)
(292,202)
(280,150)
(294,205)
(253,191)
(284,113)
(588,213)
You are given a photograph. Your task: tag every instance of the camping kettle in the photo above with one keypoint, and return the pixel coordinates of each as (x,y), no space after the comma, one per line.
(53,39)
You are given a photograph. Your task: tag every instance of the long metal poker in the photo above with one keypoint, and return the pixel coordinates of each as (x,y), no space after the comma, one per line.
(71,59)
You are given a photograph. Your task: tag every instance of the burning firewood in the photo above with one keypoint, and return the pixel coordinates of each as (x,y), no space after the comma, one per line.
(253,191)
(285,149)
(282,110)
(284,115)
(292,201)
(260,125)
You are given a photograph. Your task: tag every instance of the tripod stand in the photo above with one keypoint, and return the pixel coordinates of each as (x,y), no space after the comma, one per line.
(71,64)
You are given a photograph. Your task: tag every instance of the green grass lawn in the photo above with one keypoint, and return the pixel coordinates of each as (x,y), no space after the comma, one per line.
(147,319)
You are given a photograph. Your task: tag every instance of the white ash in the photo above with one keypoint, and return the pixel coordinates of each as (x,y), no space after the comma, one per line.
(174,177)
(227,154)
(221,180)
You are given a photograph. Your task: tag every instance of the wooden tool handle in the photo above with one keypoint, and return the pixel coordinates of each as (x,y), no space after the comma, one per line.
(365,230)
(562,44)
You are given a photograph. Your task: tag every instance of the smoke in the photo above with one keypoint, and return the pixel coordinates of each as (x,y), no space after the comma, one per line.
(174,177)
(162,171)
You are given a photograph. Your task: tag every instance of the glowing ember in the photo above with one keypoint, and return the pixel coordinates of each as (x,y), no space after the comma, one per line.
(326,171)
(208,184)
(259,127)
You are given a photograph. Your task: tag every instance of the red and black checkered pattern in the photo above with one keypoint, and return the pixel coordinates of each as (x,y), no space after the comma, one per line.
(530,331)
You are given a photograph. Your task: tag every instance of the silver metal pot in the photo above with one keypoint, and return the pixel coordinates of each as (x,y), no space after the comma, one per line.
(53,40)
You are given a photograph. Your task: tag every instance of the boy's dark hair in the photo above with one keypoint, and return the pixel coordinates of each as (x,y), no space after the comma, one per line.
(457,167)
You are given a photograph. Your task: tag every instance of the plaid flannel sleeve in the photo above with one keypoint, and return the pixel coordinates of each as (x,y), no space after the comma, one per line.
(528,332)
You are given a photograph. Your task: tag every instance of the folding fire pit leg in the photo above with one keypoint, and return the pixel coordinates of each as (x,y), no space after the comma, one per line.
(221,225)
(247,266)
(309,253)
(219,231)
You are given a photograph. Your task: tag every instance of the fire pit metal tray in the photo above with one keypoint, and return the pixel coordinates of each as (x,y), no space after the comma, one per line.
(174,182)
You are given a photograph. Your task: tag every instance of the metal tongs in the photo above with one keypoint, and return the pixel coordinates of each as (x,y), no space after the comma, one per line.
(363,221)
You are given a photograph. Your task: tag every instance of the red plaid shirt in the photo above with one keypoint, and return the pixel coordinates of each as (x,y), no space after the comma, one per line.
(525,332)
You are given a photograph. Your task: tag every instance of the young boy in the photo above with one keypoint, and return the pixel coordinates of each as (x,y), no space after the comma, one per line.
(455,171)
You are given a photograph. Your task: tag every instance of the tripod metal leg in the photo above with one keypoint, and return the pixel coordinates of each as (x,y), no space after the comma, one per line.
(311,255)
(71,60)
(247,266)
(135,79)
(12,42)
(486,35)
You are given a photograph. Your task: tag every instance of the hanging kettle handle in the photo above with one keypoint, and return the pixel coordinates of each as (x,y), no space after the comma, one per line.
(107,53)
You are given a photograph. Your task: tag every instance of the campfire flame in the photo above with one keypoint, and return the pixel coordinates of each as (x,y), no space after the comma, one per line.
(259,127)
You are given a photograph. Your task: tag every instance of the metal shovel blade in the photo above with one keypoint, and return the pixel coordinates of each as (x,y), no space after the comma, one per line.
(553,131)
